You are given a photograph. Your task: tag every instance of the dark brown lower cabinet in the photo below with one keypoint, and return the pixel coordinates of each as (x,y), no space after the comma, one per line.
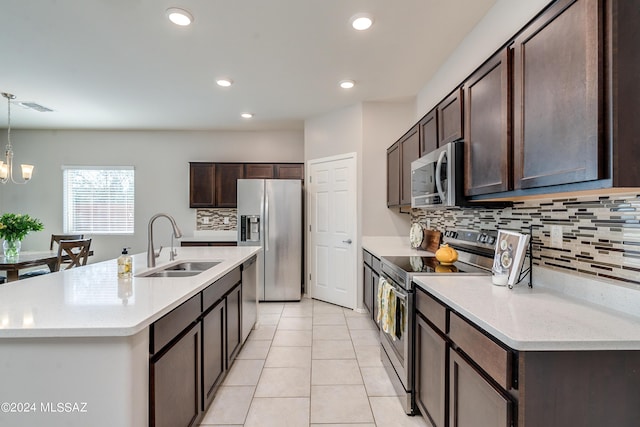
(367,291)
(213,351)
(191,350)
(174,377)
(431,373)
(234,323)
(370,278)
(473,401)
(375,278)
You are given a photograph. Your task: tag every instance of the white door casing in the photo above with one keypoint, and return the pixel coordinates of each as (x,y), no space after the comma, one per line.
(332,231)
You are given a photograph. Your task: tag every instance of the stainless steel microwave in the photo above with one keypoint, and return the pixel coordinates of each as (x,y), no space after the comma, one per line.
(437,177)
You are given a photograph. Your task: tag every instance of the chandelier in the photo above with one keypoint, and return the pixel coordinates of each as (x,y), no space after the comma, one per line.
(6,166)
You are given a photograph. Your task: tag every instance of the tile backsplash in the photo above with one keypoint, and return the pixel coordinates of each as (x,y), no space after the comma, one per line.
(600,234)
(214,219)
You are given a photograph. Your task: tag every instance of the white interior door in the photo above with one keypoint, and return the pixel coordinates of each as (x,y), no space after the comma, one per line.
(332,210)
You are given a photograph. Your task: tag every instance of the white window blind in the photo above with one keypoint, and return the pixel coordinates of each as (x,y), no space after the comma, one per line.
(98,200)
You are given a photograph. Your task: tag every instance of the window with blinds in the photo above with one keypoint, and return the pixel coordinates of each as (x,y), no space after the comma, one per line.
(98,200)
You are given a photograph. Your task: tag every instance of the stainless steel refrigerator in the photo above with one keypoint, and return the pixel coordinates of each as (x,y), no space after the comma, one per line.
(270,215)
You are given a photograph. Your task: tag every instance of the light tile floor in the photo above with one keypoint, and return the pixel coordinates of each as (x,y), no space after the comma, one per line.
(309,364)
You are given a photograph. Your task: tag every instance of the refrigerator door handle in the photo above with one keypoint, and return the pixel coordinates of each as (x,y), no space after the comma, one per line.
(266,221)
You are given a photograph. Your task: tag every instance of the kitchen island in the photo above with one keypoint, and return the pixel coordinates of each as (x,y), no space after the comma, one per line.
(75,345)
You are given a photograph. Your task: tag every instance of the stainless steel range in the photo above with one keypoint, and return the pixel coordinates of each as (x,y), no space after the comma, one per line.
(475,257)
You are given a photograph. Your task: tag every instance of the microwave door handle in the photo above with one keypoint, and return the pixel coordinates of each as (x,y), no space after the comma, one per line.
(438,170)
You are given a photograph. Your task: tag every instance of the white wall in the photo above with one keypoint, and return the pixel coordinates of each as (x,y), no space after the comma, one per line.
(383,123)
(334,133)
(161,161)
(500,23)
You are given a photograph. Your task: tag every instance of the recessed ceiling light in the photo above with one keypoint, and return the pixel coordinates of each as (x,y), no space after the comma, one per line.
(246,115)
(361,21)
(179,16)
(347,84)
(224,82)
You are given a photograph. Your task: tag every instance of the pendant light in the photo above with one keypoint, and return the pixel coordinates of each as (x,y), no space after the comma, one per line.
(6,167)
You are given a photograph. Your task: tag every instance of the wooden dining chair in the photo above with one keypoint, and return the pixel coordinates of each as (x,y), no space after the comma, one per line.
(77,250)
(55,238)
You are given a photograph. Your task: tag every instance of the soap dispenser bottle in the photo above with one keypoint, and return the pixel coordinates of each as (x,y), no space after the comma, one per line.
(124,265)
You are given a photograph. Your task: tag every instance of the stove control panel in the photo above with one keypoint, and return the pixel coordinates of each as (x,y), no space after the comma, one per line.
(479,238)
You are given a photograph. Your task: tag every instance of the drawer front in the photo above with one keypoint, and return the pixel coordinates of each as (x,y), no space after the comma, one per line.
(217,289)
(432,310)
(177,320)
(495,360)
(366,257)
(375,264)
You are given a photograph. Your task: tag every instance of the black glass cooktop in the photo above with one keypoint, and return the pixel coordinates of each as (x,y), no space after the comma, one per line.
(418,264)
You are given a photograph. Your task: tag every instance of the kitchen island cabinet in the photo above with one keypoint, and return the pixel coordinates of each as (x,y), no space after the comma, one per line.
(174,383)
(523,357)
(85,337)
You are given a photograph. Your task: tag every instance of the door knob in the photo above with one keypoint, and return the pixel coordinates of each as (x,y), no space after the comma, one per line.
(348,241)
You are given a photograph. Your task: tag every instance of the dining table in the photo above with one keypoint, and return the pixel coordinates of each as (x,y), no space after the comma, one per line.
(28,259)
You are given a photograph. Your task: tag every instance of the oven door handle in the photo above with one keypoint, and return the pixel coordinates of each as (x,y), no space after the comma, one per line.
(438,171)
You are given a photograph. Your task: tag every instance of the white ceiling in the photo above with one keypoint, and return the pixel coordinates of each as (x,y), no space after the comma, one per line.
(120,64)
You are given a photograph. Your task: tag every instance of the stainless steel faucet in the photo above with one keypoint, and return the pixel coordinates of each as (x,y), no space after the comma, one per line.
(151,253)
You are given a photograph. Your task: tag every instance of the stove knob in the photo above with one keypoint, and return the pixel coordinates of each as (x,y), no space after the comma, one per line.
(479,238)
(492,240)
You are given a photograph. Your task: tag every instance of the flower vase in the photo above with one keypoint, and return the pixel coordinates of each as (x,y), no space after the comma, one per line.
(11,249)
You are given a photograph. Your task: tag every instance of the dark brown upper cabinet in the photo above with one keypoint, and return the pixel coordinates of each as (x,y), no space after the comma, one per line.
(289,171)
(227,175)
(214,185)
(393,175)
(450,126)
(259,170)
(625,69)
(202,184)
(488,145)
(428,132)
(557,116)
(399,158)
(409,151)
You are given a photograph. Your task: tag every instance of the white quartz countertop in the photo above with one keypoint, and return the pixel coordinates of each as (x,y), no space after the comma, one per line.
(92,301)
(537,319)
(391,246)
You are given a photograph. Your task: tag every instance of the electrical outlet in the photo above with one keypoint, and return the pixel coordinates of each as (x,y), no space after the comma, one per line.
(556,236)
(225,220)
(205,220)
(428,223)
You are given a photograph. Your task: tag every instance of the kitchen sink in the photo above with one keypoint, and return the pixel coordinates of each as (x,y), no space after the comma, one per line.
(182,269)
(192,266)
(171,273)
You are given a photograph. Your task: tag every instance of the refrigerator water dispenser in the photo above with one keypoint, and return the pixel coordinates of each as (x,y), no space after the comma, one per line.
(250,228)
